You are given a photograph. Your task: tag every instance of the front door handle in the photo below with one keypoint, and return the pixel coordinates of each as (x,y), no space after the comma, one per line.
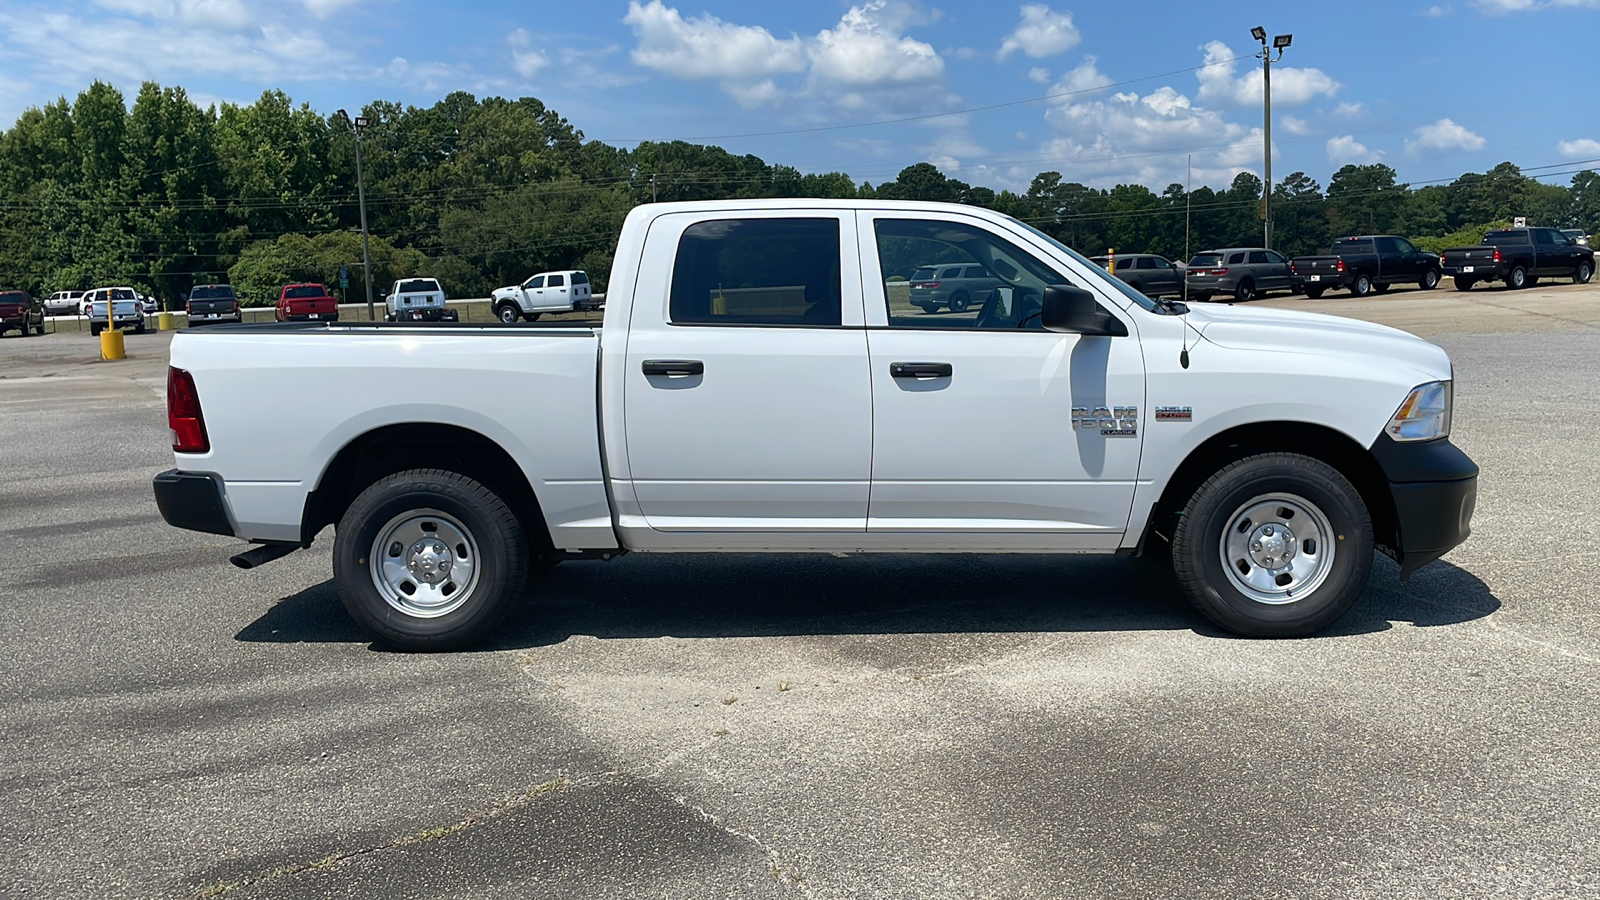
(921,370)
(674,367)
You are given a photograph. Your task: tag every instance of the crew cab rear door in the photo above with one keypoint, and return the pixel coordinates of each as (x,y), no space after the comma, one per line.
(746,399)
(990,432)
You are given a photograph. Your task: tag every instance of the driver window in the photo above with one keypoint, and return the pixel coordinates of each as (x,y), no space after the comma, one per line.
(1002,290)
(537,282)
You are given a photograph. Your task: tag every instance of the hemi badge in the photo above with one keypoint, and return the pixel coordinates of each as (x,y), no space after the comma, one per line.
(1174,413)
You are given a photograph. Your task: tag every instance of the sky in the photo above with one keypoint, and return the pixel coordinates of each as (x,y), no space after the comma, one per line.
(992,93)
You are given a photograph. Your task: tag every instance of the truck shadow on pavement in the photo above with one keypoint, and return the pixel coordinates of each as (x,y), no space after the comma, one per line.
(647,596)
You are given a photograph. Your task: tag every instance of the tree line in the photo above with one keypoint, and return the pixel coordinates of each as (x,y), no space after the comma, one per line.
(164,194)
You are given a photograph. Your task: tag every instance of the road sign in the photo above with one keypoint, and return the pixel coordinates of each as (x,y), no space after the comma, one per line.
(1519,222)
(344,278)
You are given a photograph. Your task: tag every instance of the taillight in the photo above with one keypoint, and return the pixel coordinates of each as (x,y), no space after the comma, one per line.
(1292,269)
(1340,265)
(183,414)
(1497,254)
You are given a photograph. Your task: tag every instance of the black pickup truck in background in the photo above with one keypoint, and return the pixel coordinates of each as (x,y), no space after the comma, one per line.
(1519,257)
(1364,264)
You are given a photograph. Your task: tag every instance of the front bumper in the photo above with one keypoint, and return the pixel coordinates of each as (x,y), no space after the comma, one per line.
(1434,486)
(192,501)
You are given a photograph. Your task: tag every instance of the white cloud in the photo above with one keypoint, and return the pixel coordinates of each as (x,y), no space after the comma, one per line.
(1290,86)
(322,9)
(1040,75)
(965,53)
(1350,110)
(1085,79)
(1345,149)
(865,51)
(1512,7)
(865,64)
(1583,148)
(526,59)
(1296,126)
(1443,136)
(1436,12)
(707,47)
(1042,32)
(229,15)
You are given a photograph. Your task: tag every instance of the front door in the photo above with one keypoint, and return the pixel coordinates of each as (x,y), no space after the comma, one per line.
(746,396)
(989,432)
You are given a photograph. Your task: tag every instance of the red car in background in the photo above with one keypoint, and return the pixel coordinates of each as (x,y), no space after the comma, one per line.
(301,302)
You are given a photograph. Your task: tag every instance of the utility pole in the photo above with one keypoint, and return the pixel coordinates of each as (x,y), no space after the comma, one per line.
(361,197)
(1279,43)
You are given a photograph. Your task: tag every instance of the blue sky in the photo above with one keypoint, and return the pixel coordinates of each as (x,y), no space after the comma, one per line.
(1433,89)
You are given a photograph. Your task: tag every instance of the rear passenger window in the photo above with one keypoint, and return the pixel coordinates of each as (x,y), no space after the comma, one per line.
(758,272)
(557,281)
(1236,259)
(976,272)
(951,273)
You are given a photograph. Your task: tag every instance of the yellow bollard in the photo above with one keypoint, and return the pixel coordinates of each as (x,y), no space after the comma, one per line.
(111,346)
(164,321)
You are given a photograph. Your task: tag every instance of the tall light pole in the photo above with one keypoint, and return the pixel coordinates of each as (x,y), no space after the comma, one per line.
(1279,43)
(361,196)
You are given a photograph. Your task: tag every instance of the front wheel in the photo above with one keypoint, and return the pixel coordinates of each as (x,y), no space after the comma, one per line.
(1274,545)
(429,559)
(1581,275)
(1430,280)
(508,313)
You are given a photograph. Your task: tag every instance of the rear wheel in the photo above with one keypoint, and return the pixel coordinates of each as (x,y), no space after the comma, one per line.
(1244,291)
(1274,545)
(1584,272)
(1315,293)
(139,328)
(429,559)
(959,301)
(94,329)
(1362,286)
(1517,278)
(1464,284)
(1430,280)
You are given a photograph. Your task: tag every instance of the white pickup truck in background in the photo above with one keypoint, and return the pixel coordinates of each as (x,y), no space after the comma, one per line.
(565,291)
(417,300)
(760,384)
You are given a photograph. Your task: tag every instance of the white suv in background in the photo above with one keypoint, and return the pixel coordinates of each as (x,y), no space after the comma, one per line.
(563,291)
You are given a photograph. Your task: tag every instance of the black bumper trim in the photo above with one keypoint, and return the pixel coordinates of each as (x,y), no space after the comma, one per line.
(1434,486)
(192,501)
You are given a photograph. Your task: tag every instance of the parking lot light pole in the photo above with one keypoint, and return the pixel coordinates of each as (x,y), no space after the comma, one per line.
(361,197)
(1279,43)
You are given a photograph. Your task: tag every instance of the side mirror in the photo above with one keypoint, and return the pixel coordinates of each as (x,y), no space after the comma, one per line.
(1073,310)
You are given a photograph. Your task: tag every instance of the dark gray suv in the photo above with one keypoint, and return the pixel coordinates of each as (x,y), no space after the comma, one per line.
(955,286)
(1239,273)
(1147,273)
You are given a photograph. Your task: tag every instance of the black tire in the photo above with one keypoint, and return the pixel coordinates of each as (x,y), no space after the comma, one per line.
(1361,286)
(1200,298)
(499,571)
(139,328)
(1315,293)
(1517,278)
(38,330)
(1244,290)
(94,330)
(1580,275)
(959,301)
(1223,506)
(1430,280)
(509,313)
(1464,284)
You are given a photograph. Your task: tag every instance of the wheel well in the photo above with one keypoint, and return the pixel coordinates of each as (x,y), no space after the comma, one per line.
(396,448)
(1316,441)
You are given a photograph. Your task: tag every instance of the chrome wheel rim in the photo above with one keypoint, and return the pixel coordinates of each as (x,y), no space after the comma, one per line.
(425,563)
(508,315)
(1277,548)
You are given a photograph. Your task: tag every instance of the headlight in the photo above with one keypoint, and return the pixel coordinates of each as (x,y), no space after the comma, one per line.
(1424,415)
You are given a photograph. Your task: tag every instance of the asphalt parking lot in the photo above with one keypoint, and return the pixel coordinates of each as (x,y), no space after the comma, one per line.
(816,727)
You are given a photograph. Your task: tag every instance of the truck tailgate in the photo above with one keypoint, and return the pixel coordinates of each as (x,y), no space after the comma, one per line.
(1323,266)
(280,403)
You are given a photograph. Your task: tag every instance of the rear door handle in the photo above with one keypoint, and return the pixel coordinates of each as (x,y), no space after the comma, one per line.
(921,370)
(674,367)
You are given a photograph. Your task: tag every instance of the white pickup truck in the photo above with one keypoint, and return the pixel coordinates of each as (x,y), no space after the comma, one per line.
(565,291)
(417,300)
(759,384)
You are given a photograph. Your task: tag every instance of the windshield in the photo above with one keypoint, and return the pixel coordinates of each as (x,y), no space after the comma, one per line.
(295,292)
(1118,284)
(212,292)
